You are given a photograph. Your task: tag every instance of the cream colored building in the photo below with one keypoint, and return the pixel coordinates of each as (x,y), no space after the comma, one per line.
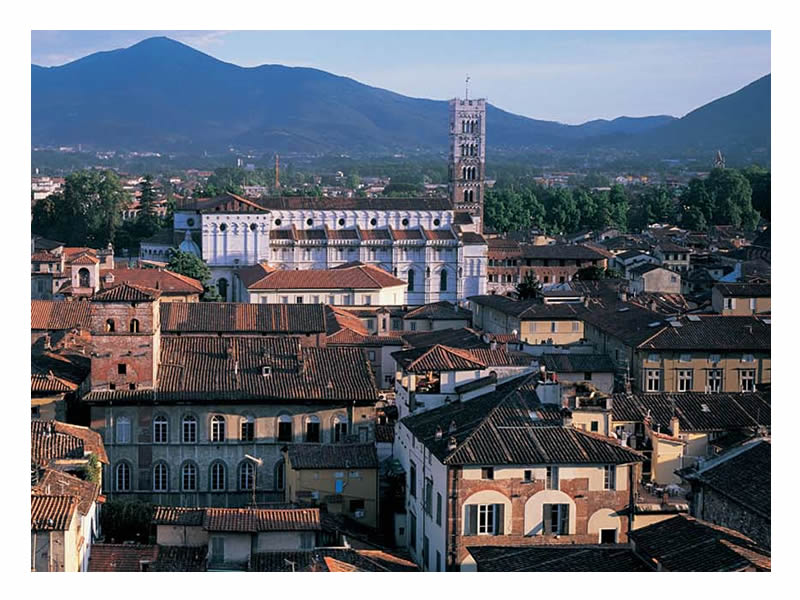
(741,298)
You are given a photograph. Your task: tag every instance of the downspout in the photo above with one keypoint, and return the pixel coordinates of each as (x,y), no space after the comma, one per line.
(453,503)
(631,502)
(425,559)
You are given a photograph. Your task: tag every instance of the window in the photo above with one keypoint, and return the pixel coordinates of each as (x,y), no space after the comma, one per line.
(654,358)
(371,355)
(748,379)
(247,476)
(309,222)
(714,358)
(298,300)
(316,299)
(438,508)
(594,426)
(685,358)
(189,430)
(248,433)
(587,376)
(752,304)
(134,326)
(312,429)
(412,326)
(122,369)
(714,380)
(551,481)
(223,227)
(160,430)
(555,518)
(730,303)
(189,477)
(280,470)
(429,497)
(331,299)
(443,281)
(356,505)
(425,553)
(685,377)
(748,358)
(123,478)
(575,326)
(610,477)
(487,473)
(217,428)
(411,280)
(527,475)
(123,430)
(412,531)
(217,479)
(553,327)
(412,479)
(484,519)
(653,380)
(284,299)
(284,428)
(83,278)
(339,428)
(438,561)
(608,536)
(160,477)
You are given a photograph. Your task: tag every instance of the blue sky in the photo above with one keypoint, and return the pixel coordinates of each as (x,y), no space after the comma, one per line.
(567,76)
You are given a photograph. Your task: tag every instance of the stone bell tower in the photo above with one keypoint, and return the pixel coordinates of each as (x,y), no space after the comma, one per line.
(468,154)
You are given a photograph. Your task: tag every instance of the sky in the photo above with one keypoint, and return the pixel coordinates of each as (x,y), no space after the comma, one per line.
(565,76)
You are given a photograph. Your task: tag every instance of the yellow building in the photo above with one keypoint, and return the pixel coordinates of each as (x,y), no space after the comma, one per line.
(534,321)
(342,477)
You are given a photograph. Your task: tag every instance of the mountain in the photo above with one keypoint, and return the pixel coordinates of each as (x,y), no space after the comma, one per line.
(163,95)
(738,124)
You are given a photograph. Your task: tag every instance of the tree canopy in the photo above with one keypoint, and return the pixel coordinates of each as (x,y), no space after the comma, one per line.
(193,266)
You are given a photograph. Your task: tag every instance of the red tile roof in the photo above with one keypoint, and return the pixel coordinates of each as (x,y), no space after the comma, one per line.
(257,520)
(437,358)
(51,372)
(260,277)
(84,259)
(45,257)
(58,483)
(176,515)
(235,317)
(52,513)
(439,234)
(125,292)
(121,557)
(159,279)
(53,439)
(59,314)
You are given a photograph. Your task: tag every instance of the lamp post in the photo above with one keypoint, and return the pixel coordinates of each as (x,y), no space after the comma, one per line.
(258,462)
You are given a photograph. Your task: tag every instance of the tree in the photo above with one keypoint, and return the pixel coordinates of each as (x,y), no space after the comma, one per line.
(193,266)
(126,521)
(93,469)
(694,220)
(619,207)
(760,183)
(589,274)
(88,212)
(529,287)
(147,220)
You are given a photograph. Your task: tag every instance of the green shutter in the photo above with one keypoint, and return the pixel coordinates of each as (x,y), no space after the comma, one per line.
(471,524)
(547,511)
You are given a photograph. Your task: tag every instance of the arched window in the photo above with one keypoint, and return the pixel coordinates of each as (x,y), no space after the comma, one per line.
(339,428)
(217,479)
(222,286)
(160,430)
(110,325)
(280,470)
(248,429)
(466,195)
(134,326)
(160,477)
(312,429)
(284,428)
(217,428)
(123,477)
(189,434)
(247,476)
(123,430)
(83,277)
(189,477)
(443,281)
(411,280)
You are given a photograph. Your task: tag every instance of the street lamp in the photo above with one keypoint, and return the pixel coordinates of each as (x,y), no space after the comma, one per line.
(259,462)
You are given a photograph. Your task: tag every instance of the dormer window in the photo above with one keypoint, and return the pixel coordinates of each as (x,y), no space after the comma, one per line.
(109,325)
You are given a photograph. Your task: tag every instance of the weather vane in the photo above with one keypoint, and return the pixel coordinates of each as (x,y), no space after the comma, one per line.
(466,89)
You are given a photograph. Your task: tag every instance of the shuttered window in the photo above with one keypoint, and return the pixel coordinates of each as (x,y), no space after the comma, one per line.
(484,519)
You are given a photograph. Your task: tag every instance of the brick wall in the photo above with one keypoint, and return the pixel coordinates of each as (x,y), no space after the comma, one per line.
(719,510)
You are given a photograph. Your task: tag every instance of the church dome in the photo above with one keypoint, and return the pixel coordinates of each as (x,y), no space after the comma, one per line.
(189,245)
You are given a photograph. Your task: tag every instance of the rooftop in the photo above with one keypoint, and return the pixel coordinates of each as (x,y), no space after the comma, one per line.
(167,282)
(262,277)
(237,317)
(59,314)
(126,292)
(744,290)
(54,440)
(52,512)
(439,311)
(712,332)
(578,363)
(557,558)
(333,456)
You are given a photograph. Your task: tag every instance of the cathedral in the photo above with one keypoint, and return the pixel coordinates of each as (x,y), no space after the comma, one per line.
(435,245)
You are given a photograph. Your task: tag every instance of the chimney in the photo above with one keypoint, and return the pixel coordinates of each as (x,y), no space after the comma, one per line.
(623,295)
(439,432)
(566,417)
(47,345)
(452,427)
(675,426)
(493,345)
(452,444)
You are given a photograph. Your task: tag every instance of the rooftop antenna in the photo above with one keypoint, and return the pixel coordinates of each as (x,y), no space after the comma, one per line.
(466,88)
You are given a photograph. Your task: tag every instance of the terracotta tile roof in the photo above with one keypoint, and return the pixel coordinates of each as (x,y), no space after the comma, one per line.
(405,234)
(59,314)
(84,259)
(52,513)
(236,317)
(338,319)
(53,439)
(181,559)
(462,218)
(282,234)
(472,238)
(505,244)
(328,203)
(375,234)
(58,483)
(349,277)
(310,234)
(216,369)
(341,234)
(668,246)
(695,412)
(121,558)
(348,337)
(159,279)
(323,559)
(712,332)
(497,429)
(384,434)
(443,310)
(126,292)
(461,337)
(72,252)
(530,309)
(45,257)
(176,515)
(59,373)
(557,558)
(257,520)
(439,234)
(437,358)
(683,543)
(333,456)
(742,474)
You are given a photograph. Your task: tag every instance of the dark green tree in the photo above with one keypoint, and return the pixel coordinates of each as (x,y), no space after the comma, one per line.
(126,521)
(529,287)
(193,266)
(694,220)
(760,183)
(590,274)
(147,220)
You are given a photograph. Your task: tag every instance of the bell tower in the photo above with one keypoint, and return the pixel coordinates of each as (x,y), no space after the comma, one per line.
(468,154)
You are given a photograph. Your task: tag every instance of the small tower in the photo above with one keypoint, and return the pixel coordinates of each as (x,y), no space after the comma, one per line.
(126,338)
(468,154)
